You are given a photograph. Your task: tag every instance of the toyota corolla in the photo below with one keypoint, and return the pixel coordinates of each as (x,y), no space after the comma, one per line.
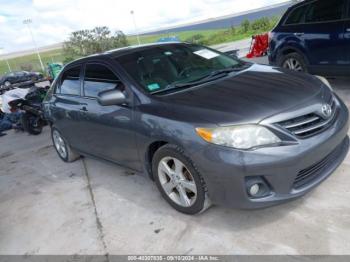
(208,128)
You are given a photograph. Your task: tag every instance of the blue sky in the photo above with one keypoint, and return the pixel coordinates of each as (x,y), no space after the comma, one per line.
(54,20)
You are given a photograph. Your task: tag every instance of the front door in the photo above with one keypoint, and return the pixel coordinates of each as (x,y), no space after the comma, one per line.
(107,130)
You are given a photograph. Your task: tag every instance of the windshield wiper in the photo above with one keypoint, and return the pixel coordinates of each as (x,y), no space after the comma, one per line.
(227,70)
(175,86)
(212,76)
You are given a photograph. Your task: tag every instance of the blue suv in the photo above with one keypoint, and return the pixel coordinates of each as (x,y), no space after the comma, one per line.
(313,36)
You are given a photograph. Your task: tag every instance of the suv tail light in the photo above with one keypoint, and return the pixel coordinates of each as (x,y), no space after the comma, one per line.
(271,35)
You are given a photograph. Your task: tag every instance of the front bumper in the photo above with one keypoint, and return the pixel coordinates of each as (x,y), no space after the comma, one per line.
(226,170)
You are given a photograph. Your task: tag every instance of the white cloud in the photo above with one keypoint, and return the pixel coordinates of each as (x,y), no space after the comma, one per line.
(54,20)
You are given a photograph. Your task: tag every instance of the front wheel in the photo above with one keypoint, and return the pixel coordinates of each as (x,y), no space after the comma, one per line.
(179,181)
(7,83)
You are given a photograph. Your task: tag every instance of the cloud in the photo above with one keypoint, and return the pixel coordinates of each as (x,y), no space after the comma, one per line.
(54,20)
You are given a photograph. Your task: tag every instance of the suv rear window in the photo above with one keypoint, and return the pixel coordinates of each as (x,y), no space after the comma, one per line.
(296,16)
(322,11)
(70,83)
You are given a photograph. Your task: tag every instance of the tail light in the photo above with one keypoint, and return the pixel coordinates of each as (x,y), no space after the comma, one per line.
(271,35)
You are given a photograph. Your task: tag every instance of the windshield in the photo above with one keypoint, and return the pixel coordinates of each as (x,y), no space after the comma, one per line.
(165,67)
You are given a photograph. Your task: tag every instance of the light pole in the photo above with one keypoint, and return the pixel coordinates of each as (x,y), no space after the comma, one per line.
(28,22)
(7,61)
(137,33)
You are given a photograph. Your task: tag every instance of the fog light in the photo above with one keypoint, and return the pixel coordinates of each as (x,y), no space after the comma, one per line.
(254,189)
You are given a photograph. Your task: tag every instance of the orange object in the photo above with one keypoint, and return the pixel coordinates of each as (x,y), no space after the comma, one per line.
(259,46)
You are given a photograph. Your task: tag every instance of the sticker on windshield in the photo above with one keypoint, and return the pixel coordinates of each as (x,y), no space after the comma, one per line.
(207,54)
(152,87)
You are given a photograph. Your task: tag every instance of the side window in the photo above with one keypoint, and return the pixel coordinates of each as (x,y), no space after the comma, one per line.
(98,78)
(70,82)
(325,10)
(296,16)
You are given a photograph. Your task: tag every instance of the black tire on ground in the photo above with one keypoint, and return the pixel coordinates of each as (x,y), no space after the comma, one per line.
(202,201)
(288,61)
(71,155)
(27,123)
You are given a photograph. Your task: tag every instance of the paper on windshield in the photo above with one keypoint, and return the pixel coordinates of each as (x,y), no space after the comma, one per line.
(205,53)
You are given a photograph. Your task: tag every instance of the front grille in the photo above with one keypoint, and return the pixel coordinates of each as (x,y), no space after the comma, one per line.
(310,124)
(308,175)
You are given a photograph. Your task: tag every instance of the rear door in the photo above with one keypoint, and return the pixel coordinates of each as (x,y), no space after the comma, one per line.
(67,107)
(323,34)
(108,131)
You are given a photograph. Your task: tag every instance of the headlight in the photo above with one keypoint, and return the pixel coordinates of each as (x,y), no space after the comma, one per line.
(240,137)
(326,82)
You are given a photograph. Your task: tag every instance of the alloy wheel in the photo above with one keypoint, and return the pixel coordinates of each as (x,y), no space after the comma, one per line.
(7,83)
(293,64)
(59,144)
(177,181)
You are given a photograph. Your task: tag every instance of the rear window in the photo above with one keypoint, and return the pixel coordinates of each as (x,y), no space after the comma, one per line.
(296,16)
(70,82)
(324,11)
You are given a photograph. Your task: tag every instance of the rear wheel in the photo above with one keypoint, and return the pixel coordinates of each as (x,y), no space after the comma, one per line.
(293,61)
(7,83)
(63,149)
(179,181)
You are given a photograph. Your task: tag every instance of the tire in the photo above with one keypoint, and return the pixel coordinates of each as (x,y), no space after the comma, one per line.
(62,147)
(7,83)
(180,192)
(27,123)
(293,61)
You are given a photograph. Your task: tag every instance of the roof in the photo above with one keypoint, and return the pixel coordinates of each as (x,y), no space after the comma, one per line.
(124,50)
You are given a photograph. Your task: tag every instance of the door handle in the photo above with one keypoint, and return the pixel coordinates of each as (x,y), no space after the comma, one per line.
(83,109)
(298,34)
(348,30)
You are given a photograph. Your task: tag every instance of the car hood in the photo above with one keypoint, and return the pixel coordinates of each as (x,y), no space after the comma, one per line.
(247,97)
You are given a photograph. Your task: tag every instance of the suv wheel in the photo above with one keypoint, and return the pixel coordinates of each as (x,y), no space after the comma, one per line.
(63,149)
(293,61)
(179,181)
(7,83)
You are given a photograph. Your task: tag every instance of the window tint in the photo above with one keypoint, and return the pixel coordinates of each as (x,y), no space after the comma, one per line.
(98,78)
(70,83)
(325,10)
(296,16)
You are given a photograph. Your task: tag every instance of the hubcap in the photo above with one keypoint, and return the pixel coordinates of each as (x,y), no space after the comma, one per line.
(177,181)
(7,83)
(293,64)
(59,144)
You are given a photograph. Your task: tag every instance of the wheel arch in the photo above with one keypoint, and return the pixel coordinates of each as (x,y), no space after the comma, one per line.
(292,49)
(150,151)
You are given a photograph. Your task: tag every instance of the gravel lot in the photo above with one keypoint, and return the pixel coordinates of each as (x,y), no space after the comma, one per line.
(94,207)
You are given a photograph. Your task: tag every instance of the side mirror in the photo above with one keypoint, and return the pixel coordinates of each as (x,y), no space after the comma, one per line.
(232,53)
(111,97)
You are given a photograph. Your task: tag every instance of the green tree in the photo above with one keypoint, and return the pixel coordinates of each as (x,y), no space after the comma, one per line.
(87,42)
(245,25)
(197,39)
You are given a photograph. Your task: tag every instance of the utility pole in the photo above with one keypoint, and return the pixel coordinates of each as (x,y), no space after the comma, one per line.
(137,33)
(28,22)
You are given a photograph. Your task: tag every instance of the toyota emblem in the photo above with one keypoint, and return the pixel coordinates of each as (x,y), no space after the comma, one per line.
(326,110)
